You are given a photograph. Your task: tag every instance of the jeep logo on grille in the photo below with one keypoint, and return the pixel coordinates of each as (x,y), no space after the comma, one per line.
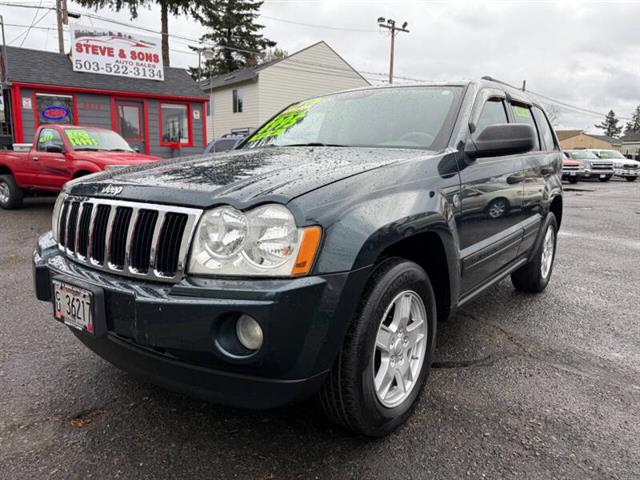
(111,190)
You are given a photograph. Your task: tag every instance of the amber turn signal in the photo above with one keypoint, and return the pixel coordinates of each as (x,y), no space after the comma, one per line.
(308,249)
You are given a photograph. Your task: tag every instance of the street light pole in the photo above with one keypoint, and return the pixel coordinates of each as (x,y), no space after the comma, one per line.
(391,26)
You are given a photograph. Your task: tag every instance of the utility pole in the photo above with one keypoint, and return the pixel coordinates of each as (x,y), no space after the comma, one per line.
(62,17)
(391,26)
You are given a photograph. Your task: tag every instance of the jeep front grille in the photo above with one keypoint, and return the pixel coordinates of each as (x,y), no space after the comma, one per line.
(128,238)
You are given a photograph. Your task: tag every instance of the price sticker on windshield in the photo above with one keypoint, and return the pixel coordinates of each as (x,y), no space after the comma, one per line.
(80,138)
(287,119)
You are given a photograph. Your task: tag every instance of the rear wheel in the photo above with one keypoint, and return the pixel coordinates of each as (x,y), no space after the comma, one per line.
(11,195)
(387,353)
(631,179)
(535,275)
(498,208)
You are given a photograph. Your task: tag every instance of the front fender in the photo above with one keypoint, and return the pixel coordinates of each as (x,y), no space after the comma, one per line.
(84,166)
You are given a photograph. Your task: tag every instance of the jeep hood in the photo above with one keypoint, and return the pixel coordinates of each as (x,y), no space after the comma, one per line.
(240,178)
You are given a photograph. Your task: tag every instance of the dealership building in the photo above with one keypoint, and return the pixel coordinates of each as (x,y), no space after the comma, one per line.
(164,117)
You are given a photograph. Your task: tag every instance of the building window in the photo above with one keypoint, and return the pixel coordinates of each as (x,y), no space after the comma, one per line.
(54,109)
(129,122)
(175,124)
(238,101)
(210,107)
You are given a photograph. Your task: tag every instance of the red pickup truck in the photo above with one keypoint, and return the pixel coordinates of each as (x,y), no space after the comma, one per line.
(58,154)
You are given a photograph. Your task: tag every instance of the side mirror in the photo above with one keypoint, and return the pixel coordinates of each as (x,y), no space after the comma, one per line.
(53,148)
(501,139)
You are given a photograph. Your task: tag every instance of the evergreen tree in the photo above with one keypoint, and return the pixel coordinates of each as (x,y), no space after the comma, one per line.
(634,125)
(610,125)
(274,53)
(234,33)
(166,7)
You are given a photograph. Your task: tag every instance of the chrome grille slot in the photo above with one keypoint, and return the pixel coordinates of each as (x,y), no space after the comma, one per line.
(139,260)
(127,238)
(72,225)
(118,237)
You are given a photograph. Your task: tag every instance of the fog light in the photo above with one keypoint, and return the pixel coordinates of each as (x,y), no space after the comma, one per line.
(249,332)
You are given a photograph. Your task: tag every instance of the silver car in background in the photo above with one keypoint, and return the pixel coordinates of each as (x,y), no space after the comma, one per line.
(595,167)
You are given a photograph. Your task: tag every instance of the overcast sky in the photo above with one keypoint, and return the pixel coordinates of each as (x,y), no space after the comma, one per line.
(581,52)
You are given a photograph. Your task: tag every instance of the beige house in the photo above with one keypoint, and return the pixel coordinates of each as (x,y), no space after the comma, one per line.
(576,139)
(244,99)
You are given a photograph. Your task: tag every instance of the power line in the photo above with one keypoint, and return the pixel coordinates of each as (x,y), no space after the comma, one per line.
(312,25)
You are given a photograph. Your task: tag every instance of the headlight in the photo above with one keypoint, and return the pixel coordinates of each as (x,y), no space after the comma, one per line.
(56,214)
(264,241)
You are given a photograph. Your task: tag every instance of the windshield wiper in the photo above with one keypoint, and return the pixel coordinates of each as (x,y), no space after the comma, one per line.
(119,150)
(86,149)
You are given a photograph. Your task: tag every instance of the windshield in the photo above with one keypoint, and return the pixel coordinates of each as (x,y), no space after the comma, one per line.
(93,139)
(406,117)
(582,154)
(610,154)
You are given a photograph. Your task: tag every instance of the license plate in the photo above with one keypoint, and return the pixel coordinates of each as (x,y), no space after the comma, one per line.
(602,176)
(573,174)
(72,305)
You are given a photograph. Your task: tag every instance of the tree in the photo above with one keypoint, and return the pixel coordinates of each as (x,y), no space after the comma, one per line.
(610,125)
(166,7)
(272,54)
(634,125)
(234,33)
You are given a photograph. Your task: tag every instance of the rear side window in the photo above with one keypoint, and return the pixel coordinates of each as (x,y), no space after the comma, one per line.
(493,112)
(546,131)
(523,114)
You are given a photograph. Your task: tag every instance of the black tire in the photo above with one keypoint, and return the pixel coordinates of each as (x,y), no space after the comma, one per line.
(574,179)
(14,194)
(529,277)
(348,396)
(631,179)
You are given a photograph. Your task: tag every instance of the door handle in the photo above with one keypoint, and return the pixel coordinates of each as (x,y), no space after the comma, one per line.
(35,159)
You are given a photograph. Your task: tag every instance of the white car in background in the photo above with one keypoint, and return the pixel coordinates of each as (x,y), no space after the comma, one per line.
(622,166)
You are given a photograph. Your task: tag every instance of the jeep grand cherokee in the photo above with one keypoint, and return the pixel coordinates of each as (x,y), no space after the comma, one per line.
(317,258)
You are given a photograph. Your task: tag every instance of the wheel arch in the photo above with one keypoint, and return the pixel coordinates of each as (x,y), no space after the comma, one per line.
(556,208)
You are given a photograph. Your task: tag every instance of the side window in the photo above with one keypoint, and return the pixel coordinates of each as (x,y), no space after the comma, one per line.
(546,131)
(47,137)
(523,114)
(493,112)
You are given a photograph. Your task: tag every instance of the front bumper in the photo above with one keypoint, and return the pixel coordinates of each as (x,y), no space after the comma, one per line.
(626,172)
(598,173)
(170,334)
(568,174)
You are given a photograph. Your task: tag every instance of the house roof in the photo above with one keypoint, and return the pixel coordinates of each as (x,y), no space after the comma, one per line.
(564,134)
(631,138)
(251,73)
(25,65)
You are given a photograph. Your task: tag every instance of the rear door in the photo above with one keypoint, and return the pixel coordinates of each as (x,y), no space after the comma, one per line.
(52,168)
(489,221)
(538,167)
(130,124)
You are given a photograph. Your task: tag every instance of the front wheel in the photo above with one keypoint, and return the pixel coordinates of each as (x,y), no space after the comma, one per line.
(11,195)
(535,275)
(631,179)
(387,352)
(573,179)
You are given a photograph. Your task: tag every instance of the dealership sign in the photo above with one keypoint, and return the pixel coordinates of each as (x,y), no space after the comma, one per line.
(97,50)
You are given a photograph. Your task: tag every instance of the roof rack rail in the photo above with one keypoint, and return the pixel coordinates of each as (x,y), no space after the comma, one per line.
(491,79)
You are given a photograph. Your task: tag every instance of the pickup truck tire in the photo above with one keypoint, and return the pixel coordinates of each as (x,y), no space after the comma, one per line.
(573,179)
(11,195)
(535,275)
(631,179)
(349,396)
(605,179)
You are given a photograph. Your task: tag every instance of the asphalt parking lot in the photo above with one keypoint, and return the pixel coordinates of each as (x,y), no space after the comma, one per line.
(525,386)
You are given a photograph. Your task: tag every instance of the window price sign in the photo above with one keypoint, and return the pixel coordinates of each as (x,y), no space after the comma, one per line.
(108,52)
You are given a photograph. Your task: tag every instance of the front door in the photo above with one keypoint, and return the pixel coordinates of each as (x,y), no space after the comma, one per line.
(130,124)
(490,212)
(49,161)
